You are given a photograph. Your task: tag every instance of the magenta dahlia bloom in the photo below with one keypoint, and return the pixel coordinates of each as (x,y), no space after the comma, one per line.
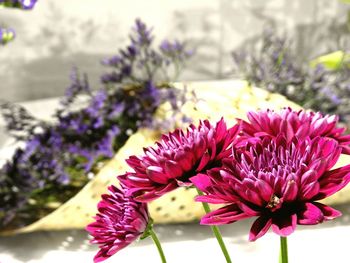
(289,123)
(120,221)
(176,158)
(276,181)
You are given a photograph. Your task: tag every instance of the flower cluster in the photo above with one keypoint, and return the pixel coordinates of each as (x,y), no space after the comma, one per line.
(274,166)
(272,64)
(89,127)
(278,172)
(139,62)
(171,164)
(29,181)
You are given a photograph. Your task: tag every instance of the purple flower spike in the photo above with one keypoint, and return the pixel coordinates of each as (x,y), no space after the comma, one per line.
(120,221)
(178,157)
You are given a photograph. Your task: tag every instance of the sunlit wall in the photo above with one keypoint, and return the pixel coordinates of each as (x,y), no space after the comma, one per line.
(59,34)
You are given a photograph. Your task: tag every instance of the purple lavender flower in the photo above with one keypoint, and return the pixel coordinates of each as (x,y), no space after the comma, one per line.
(15,183)
(139,62)
(175,50)
(331,95)
(116,111)
(113,61)
(40,154)
(143,34)
(58,155)
(112,77)
(34,168)
(77,87)
(273,64)
(97,103)
(97,148)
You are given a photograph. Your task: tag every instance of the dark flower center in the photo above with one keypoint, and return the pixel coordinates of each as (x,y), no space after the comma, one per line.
(274,202)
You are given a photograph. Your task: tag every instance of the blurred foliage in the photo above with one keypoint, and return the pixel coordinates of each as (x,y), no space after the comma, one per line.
(332,61)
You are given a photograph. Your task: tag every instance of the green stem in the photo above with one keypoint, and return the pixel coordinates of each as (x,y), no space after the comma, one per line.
(216,232)
(284,250)
(159,246)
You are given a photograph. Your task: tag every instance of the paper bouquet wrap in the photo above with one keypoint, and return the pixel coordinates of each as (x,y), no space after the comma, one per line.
(231,99)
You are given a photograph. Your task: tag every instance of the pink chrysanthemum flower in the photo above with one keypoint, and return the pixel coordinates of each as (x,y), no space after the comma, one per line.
(176,158)
(301,124)
(276,181)
(120,221)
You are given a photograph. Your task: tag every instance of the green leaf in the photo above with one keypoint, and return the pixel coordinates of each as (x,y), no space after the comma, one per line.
(331,61)
(147,232)
(7,36)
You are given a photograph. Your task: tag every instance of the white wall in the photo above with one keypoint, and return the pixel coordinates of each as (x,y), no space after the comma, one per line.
(60,33)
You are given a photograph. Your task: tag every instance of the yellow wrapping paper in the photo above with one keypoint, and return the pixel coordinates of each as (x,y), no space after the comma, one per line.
(231,99)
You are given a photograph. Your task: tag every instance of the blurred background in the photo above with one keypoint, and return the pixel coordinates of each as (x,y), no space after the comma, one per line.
(56,35)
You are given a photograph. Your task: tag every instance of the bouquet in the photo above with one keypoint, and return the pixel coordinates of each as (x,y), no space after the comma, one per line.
(275,167)
(56,159)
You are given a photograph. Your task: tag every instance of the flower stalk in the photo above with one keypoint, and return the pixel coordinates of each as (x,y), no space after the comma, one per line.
(284,250)
(216,232)
(149,232)
(158,245)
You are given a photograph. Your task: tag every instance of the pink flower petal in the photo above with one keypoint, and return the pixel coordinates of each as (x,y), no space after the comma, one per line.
(284,225)
(311,190)
(259,227)
(183,184)
(172,169)
(156,193)
(329,213)
(287,130)
(211,199)
(309,177)
(247,209)
(291,191)
(157,175)
(264,189)
(224,215)
(310,215)
(201,181)
(303,131)
(99,257)
(333,181)
(204,161)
